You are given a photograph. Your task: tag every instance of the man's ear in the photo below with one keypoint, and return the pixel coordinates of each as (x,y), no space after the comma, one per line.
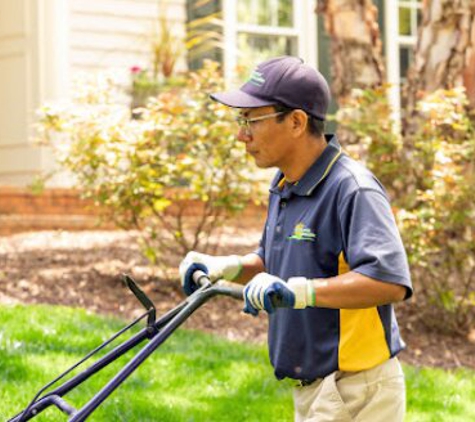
(299,122)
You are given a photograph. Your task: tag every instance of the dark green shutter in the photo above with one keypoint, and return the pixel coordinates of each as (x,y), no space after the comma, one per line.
(324,66)
(382,28)
(193,12)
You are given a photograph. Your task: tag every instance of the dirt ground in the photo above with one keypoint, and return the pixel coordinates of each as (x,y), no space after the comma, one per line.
(83,269)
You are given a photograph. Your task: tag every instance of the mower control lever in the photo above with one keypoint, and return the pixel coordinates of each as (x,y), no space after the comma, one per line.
(143,299)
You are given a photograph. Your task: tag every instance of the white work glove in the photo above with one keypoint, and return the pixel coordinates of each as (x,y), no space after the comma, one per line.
(268,292)
(217,267)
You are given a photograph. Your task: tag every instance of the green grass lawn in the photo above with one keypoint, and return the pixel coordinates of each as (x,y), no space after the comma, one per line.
(192,377)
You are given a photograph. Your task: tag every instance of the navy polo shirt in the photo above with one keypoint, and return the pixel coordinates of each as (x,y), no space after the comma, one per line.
(337,218)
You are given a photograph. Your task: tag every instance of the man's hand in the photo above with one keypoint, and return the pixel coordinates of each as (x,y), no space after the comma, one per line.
(217,267)
(268,292)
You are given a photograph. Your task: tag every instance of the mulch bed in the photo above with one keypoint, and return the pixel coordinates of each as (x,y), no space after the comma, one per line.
(83,269)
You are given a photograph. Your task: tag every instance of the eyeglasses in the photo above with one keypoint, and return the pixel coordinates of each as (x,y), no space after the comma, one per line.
(245,123)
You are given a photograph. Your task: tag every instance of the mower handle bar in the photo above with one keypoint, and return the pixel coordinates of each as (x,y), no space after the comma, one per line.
(227,289)
(156,331)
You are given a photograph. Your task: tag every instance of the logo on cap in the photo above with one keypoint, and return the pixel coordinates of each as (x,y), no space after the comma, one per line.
(256,78)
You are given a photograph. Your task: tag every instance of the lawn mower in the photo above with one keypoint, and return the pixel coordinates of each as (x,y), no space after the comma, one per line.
(156,331)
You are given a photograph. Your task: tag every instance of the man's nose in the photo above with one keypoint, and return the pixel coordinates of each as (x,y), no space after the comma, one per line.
(244,134)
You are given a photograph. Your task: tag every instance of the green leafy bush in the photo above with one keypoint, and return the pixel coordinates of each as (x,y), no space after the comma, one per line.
(439,229)
(148,173)
(374,139)
(432,194)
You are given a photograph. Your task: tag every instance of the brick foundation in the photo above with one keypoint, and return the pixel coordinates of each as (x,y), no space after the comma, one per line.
(56,209)
(51,202)
(21,210)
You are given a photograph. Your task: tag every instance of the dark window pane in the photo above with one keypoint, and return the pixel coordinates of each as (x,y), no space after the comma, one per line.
(207,49)
(285,13)
(265,12)
(404,21)
(254,49)
(405,59)
(254,12)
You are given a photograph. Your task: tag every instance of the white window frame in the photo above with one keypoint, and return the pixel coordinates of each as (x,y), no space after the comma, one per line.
(305,30)
(393,43)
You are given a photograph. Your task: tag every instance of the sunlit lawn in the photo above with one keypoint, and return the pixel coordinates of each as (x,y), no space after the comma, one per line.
(192,377)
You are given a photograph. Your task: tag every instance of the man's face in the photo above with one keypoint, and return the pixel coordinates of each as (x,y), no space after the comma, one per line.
(266,140)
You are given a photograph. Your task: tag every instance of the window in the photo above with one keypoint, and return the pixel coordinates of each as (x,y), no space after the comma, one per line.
(402,20)
(410,15)
(266,12)
(255,30)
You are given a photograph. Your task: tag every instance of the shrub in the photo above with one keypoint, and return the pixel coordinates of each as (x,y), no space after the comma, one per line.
(146,173)
(433,200)
(374,139)
(439,229)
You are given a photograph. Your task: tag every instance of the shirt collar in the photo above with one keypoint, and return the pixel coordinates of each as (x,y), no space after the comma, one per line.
(314,175)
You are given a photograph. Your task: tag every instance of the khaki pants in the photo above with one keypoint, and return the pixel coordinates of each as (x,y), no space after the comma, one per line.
(377,394)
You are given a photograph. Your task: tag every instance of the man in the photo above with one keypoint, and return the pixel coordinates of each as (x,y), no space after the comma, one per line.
(330,261)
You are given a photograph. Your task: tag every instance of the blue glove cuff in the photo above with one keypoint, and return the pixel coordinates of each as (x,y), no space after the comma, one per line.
(189,285)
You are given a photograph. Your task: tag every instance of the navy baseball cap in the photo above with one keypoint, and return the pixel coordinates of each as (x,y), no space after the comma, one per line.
(283,80)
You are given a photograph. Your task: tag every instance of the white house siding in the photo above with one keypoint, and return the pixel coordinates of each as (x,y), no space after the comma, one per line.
(115,34)
(45,43)
(15,66)
(22,83)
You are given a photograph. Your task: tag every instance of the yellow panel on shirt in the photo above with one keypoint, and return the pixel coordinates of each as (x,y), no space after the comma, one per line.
(362,342)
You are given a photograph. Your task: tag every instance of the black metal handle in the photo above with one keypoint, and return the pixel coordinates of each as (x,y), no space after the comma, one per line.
(192,303)
(229,289)
(163,328)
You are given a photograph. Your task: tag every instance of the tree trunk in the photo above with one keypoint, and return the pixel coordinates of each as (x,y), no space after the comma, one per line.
(356,48)
(445,55)
(469,69)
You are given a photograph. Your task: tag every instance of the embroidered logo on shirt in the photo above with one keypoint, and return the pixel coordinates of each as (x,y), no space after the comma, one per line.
(302,233)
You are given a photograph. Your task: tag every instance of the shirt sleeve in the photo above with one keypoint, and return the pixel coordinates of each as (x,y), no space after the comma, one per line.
(372,243)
